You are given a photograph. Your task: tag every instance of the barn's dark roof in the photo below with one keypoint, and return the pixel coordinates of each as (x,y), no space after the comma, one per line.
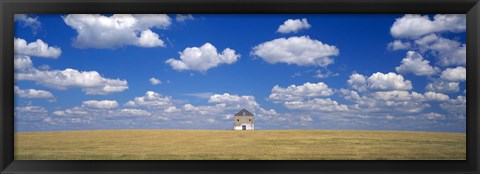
(244,112)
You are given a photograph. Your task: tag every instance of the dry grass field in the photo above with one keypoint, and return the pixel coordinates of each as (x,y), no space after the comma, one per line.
(239,145)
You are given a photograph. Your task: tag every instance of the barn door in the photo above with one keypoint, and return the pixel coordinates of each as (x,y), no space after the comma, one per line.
(244,127)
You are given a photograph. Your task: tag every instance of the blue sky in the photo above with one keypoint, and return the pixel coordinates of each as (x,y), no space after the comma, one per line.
(369,72)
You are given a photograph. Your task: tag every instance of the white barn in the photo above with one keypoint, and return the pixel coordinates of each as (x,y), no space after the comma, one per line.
(243,120)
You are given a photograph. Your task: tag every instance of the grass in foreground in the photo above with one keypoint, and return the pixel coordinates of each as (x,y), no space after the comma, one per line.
(239,145)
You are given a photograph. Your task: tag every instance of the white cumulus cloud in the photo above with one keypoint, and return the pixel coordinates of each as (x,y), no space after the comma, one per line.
(33,93)
(202,58)
(389,81)
(301,51)
(414,63)
(439,85)
(414,26)
(37,49)
(448,52)
(246,101)
(100,104)
(91,82)
(150,99)
(293,25)
(434,96)
(101,31)
(454,74)
(299,93)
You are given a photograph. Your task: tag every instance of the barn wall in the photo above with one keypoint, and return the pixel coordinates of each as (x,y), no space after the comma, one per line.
(243,120)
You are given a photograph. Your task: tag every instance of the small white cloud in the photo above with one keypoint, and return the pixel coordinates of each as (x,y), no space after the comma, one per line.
(301,51)
(155,81)
(398,45)
(102,104)
(414,26)
(457,74)
(33,93)
(101,31)
(171,109)
(183,17)
(414,63)
(202,58)
(149,39)
(389,81)
(37,49)
(301,92)
(152,100)
(324,74)
(293,25)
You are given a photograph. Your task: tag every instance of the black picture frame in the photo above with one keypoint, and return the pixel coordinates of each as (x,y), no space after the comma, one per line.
(10,7)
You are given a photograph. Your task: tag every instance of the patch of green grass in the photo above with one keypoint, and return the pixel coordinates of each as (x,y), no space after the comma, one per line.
(239,145)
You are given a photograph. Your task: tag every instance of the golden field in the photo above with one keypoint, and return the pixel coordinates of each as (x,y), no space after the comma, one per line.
(239,145)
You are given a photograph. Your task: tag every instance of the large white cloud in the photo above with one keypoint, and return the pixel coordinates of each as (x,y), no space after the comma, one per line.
(37,49)
(454,74)
(91,82)
(101,31)
(318,104)
(298,93)
(202,58)
(100,104)
(151,99)
(414,26)
(293,25)
(33,93)
(414,63)
(389,81)
(301,51)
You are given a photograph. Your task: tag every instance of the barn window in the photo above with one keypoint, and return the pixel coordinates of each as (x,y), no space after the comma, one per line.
(238,119)
(249,120)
